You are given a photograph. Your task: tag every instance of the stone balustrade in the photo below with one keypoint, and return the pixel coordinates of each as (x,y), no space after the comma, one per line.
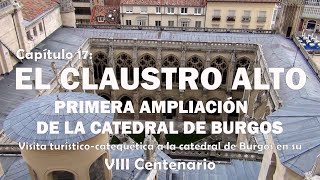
(9,149)
(165,28)
(218,155)
(99,42)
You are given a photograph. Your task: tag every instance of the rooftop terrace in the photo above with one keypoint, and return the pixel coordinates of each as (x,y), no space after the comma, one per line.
(277,50)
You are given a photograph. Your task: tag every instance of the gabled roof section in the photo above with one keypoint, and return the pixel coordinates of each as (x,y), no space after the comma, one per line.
(31,9)
(301,126)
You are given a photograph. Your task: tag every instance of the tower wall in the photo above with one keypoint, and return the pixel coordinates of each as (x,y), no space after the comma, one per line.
(12,35)
(290,16)
(68,19)
(67,13)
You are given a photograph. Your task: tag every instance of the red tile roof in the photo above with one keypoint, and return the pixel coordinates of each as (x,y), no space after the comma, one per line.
(112,3)
(111,14)
(31,9)
(164,2)
(110,11)
(247,1)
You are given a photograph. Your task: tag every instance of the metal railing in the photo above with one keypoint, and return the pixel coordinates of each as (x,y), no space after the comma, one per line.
(231,18)
(306,55)
(167,28)
(216,18)
(246,19)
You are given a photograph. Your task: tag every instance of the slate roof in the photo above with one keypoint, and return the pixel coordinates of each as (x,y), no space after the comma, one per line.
(301,126)
(21,124)
(241,170)
(6,162)
(11,97)
(235,170)
(17,171)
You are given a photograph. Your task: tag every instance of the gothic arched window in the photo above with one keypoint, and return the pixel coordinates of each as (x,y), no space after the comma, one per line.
(197,63)
(212,106)
(222,66)
(124,61)
(172,62)
(105,97)
(149,100)
(146,61)
(97,170)
(190,102)
(243,63)
(100,62)
(62,175)
(173,113)
(124,100)
(234,113)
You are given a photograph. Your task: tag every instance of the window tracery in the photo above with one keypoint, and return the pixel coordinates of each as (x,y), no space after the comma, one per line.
(100,62)
(243,63)
(146,61)
(197,63)
(124,61)
(188,103)
(171,61)
(211,107)
(222,66)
